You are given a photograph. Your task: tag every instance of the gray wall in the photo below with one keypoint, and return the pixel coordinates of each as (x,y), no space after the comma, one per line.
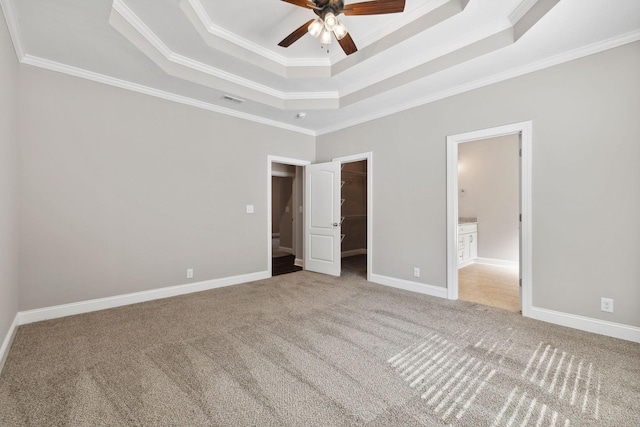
(586,180)
(8,182)
(489,174)
(123,192)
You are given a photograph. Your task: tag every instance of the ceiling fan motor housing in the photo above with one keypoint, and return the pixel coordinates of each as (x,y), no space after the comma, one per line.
(325,6)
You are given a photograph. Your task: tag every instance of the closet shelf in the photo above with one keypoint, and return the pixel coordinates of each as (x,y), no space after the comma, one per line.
(355,172)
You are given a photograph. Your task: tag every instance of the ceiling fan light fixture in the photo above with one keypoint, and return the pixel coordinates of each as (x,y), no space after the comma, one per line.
(340,31)
(325,38)
(330,21)
(316,27)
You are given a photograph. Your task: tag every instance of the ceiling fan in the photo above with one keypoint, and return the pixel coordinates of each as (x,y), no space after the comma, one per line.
(327,22)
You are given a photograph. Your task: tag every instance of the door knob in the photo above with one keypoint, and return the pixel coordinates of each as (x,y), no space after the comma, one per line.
(335,224)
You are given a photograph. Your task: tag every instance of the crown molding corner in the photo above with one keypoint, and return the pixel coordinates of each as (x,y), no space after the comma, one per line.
(12,24)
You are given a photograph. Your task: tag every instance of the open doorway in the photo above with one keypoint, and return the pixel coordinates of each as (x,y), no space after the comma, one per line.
(284,223)
(488,221)
(317,213)
(459,239)
(356,214)
(284,214)
(353,218)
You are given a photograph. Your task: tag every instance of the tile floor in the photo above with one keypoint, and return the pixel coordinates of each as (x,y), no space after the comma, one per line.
(490,285)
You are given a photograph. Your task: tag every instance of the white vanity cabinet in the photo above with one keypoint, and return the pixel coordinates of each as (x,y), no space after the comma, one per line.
(467,243)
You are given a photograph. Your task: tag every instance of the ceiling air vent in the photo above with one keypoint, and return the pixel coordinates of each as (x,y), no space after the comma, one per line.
(233,99)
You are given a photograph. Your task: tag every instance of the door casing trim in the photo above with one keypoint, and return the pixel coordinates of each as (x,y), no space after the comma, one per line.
(525,129)
(368,156)
(287,161)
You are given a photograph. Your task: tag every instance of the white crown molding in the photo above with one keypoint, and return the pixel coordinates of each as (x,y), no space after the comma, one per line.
(135,22)
(134,87)
(256,49)
(327,100)
(55,312)
(12,25)
(588,324)
(392,26)
(303,96)
(496,78)
(520,11)
(581,52)
(401,20)
(237,46)
(220,32)
(439,52)
(8,340)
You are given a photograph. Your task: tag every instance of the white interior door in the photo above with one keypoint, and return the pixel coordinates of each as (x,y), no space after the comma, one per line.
(322,218)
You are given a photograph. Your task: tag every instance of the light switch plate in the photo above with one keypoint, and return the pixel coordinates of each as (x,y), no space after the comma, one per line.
(250,209)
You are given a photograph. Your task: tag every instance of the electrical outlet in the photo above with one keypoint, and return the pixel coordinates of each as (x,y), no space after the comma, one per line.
(606,304)
(416,272)
(189,273)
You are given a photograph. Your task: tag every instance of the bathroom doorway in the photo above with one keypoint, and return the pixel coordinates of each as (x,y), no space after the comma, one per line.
(488,222)
(469,216)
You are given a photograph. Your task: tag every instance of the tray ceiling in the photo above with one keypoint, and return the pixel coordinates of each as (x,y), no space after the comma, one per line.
(198,51)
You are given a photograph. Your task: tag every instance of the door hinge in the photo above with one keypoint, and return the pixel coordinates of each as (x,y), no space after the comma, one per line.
(521,152)
(520,217)
(520,282)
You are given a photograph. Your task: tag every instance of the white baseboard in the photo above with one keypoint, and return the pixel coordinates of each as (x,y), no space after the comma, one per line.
(285,249)
(497,262)
(602,327)
(353,252)
(6,344)
(464,264)
(55,312)
(407,285)
(299,262)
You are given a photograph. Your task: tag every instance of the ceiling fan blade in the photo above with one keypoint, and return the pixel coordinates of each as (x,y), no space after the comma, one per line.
(293,37)
(374,7)
(302,3)
(348,45)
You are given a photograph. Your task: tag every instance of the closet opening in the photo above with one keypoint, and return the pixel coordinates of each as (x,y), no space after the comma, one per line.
(354,218)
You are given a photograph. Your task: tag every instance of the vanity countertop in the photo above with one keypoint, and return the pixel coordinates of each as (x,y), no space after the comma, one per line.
(467,220)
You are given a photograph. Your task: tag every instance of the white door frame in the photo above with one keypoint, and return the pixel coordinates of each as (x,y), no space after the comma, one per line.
(368,156)
(525,129)
(287,161)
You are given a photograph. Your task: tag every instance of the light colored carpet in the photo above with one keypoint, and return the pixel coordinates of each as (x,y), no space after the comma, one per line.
(309,350)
